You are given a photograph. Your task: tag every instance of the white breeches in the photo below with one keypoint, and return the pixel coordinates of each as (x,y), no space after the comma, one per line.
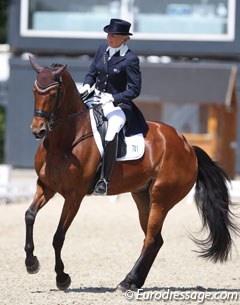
(116,120)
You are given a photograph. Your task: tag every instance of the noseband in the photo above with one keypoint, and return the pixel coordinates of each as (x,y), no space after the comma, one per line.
(49,116)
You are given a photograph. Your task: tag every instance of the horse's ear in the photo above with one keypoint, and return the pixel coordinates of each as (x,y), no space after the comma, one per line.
(34,64)
(59,72)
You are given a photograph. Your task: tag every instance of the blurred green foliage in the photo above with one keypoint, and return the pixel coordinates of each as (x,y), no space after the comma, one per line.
(3,21)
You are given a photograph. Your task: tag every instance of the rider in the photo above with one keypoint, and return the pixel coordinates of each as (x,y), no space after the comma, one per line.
(115,76)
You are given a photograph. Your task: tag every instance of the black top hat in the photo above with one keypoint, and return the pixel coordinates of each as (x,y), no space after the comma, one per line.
(118,27)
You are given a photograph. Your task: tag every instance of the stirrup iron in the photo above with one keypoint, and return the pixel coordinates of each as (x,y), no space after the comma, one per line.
(101,187)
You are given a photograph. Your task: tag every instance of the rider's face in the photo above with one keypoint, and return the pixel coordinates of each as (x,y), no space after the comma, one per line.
(115,41)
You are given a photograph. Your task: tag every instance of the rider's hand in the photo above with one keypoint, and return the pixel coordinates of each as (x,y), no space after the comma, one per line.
(84,91)
(106,98)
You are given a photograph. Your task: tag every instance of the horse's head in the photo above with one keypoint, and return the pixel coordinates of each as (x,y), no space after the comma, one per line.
(47,93)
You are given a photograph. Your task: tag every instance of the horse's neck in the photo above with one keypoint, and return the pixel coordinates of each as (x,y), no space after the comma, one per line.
(73,117)
(71,99)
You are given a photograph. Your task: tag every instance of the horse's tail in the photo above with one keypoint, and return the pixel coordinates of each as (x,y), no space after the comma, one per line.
(213,203)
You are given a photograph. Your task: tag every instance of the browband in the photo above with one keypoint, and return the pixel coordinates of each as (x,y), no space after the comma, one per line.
(43,90)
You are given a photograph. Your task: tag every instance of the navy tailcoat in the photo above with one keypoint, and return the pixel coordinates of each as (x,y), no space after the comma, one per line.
(121,77)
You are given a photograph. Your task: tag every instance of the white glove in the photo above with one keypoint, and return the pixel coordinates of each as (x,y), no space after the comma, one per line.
(106,98)
(85,88)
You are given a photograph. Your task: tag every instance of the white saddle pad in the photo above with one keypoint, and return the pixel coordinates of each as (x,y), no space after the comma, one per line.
(135,144)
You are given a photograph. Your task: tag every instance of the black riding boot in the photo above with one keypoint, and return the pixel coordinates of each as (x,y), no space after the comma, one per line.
(109,157)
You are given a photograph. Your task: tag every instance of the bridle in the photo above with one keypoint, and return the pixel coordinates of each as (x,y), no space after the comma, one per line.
(49,116)
(52,120)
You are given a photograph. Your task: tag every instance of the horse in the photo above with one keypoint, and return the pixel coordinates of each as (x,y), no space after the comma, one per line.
(66,162)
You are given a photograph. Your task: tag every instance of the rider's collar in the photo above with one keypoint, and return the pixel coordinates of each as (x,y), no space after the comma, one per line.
(123,50)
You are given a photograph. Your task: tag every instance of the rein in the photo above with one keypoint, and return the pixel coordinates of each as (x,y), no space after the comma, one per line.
(52,120)
(58,122)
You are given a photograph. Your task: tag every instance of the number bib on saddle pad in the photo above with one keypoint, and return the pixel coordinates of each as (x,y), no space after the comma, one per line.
(135,145)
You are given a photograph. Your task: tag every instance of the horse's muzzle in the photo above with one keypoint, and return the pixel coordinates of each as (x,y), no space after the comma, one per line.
(39,128)
(39,134)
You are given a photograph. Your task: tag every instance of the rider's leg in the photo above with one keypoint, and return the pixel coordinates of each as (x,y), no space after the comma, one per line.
(109,157)
(116,120)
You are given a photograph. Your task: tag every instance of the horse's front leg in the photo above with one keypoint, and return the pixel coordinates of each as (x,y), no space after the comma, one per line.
(70,209)
(41,197)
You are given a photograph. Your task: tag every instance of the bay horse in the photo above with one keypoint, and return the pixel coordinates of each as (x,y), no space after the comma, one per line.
(66,163)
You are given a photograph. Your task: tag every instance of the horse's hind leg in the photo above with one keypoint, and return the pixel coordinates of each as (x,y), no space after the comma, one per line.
(41,197)
(142,200)
(152,226)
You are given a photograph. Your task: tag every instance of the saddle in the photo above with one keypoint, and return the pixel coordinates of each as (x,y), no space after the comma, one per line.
(129,148)
(101,124)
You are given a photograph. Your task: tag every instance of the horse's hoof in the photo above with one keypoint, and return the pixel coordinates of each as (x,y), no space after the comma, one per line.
(64,285)
(124,287)
(32,265)
(121,288)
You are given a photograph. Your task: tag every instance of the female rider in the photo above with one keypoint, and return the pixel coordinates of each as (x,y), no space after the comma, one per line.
(116,75)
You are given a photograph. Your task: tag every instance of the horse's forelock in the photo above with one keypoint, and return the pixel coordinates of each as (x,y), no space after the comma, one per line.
(55,65)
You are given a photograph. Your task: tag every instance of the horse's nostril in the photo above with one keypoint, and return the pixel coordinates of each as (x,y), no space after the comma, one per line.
(39,135)
(42,133)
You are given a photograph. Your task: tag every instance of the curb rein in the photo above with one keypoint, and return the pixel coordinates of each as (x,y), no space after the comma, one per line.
(51,118)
